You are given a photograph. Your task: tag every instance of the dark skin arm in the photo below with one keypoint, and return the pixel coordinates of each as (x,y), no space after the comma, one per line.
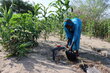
(71,46)
(67,43)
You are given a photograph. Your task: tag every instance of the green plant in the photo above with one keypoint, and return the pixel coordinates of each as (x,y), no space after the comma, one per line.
(19,33)
(62,7)
(46,26)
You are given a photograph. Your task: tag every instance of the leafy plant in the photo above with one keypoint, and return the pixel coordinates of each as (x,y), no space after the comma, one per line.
(46,26)
(62,7)
(19,33)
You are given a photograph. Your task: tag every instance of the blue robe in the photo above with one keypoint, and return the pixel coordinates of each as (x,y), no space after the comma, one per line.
(75,33)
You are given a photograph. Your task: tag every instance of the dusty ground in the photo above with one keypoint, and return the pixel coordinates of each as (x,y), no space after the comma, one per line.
(41,60)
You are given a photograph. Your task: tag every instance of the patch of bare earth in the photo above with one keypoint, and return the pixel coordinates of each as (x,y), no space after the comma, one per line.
(40,61)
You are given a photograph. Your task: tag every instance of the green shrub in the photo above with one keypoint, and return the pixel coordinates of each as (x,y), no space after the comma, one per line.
(20,34)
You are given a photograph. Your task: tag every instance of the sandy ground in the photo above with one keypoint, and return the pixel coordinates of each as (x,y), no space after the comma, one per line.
(41,60)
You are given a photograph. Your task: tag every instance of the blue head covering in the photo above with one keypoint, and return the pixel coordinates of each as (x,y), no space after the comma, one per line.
(66,22)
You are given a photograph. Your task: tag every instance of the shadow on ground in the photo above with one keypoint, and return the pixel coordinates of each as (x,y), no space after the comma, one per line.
(42,55)
(95,57)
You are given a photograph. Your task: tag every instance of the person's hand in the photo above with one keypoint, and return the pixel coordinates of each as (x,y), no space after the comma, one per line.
(70,49)
(67,46)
